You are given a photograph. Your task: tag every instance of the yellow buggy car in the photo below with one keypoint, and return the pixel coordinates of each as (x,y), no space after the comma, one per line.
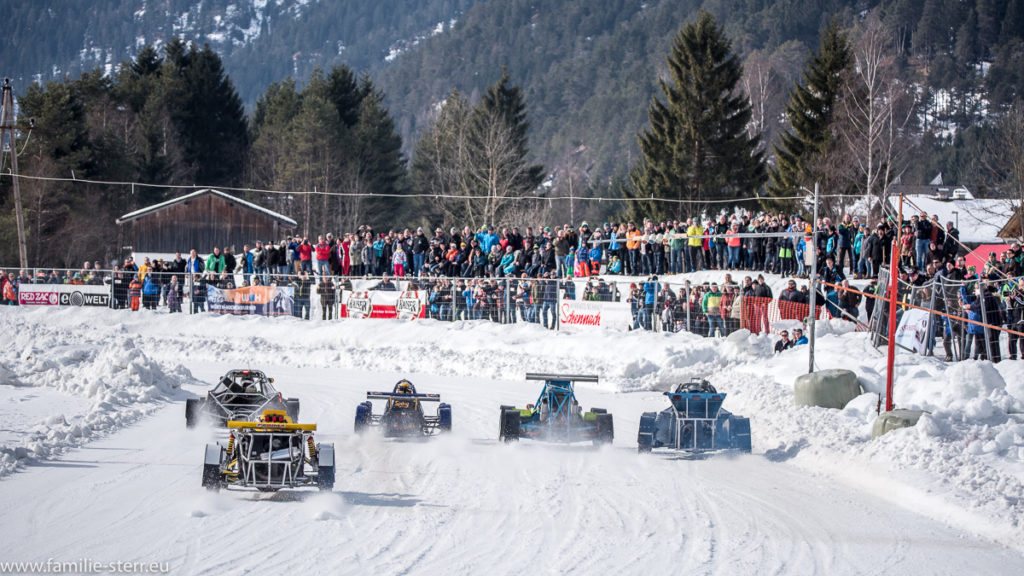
(269,454)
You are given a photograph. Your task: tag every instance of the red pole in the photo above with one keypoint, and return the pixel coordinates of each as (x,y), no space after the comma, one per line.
(893,291)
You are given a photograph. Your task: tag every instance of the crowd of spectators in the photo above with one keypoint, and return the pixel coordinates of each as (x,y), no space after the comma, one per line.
(460,269)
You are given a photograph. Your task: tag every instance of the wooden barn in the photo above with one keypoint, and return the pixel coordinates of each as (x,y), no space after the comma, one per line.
(201,220)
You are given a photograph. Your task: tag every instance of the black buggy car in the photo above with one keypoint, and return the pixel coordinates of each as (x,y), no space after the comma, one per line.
(403,414)
(239,395)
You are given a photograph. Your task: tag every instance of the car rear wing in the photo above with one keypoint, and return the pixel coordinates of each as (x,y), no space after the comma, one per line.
(399,396)
(247,425)
(561,377)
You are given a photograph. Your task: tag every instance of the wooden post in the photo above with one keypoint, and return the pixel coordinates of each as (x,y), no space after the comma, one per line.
(7,128)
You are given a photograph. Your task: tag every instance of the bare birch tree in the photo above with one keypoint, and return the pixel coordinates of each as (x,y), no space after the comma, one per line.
(441,161)
(759,82)
(498,168)
(1003,161)
(878,108)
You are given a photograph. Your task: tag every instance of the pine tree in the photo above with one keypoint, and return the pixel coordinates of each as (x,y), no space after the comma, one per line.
(275,110)
(801,149)
(378,155)
(345,93)
(205,112)
(1013,21)
(212,120)
(697,147)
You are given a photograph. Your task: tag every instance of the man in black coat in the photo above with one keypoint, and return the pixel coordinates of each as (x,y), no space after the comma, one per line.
(951,246)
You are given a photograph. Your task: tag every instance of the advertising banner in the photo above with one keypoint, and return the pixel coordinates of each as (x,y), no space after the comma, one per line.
(912,331)
(260,300)
(593,314)
(63,295)
(408,305)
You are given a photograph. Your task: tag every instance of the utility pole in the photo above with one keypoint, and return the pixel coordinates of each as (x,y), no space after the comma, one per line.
(7,129)
(814,281)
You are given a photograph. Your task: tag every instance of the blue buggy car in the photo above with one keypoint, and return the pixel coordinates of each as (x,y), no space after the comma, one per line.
(557,416)
(695,422)
(403,414)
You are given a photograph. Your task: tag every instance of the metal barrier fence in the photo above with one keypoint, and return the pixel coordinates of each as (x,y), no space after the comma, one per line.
(996,308)
(609,301)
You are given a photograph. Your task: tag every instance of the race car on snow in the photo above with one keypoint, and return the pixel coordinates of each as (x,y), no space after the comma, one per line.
(403,413)
(269,454)
(239,395)
(556,416)
(695,422)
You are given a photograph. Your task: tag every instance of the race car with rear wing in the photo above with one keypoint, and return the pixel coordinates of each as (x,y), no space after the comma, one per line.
(268,454)
(240,395)
(403,413)
(695,422)
(557,416)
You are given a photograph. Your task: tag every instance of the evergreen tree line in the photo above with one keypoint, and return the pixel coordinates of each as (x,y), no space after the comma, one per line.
(588,68)
(852,122)
(326,154)
(852,126)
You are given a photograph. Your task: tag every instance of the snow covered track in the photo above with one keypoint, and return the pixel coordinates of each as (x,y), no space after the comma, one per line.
(804,503)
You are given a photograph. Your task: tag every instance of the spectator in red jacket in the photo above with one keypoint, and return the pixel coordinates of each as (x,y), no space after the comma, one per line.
(305,250)
(323,256)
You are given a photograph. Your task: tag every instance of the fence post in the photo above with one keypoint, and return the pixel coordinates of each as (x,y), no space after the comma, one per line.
(875,322)
(983,289)
(507,316)
(655,317)
(558,304)
(930,347)
(689,320)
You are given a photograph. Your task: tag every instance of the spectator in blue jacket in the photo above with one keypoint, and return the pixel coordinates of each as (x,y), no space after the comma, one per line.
(486,238)
(508,263)
(651,289)
(150,292)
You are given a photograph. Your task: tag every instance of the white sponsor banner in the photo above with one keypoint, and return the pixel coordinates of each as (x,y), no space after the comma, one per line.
(63,295)
(583,314)
(407,305)
(912,331)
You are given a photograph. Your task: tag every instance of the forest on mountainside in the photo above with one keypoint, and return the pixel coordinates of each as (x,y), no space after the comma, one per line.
(587,73)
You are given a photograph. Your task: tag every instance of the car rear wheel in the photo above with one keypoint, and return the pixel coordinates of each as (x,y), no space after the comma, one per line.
(191,412)
(211,477)
(444,414)
(605,428)
(363,412)
(509,426)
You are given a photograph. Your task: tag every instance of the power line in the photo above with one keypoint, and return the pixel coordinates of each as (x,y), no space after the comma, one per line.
(420,195)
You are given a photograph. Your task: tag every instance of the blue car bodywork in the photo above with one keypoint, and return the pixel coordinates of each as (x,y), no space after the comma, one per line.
(556,416)
(695,422)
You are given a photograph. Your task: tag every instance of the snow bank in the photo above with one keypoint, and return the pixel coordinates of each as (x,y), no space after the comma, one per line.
(120,381)
(963,462)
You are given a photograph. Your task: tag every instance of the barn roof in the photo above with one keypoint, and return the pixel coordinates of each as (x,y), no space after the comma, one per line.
(157,207)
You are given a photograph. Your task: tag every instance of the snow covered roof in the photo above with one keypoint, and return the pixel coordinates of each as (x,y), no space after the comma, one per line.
(978,219)
(155,207)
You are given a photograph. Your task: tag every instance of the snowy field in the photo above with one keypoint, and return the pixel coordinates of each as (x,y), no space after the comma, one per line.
(96,462)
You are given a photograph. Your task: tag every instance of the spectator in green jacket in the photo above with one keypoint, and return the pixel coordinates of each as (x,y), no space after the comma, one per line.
(215,262)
